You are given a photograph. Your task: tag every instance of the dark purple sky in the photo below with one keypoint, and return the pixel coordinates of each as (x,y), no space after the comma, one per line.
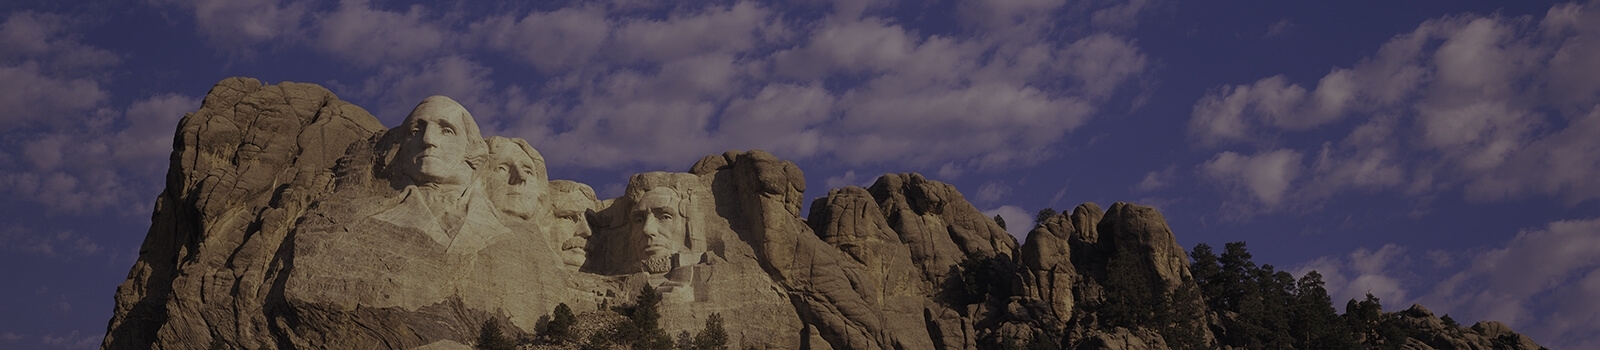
(1436,152)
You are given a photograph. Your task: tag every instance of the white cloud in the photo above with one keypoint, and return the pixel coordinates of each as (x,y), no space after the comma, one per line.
(18,239)
(1499,107)
(30,96)
(1263,178)
(72,340)
(46,39)
(358,33)
(1280,28)
(47,71)
(849,178)
(1543,281)
(398,88)
(623,87)
(235,26)
(1562,164)
(111,161)
(554,40)
(783,118)
(1361,272)
(1018,221)
(992,192)
(714,29)
(1156,180)
(1122,14)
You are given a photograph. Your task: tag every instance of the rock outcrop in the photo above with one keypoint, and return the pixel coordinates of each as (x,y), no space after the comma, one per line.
(292,219)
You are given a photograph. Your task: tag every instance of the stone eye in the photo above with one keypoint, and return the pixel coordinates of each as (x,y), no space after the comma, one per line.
(448,131)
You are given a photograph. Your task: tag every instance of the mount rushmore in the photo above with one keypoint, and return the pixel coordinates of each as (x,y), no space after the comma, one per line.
(293,219)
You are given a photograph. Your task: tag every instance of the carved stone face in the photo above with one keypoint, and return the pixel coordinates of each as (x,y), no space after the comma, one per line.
(437,143)
(569,229)
(661,225)
(515,180)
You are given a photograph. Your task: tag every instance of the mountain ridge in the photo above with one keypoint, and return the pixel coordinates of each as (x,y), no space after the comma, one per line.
(293,219)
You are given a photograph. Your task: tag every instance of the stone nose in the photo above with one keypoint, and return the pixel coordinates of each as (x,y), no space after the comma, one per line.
(516,176)
(652,227)
(583,230)
(431,136)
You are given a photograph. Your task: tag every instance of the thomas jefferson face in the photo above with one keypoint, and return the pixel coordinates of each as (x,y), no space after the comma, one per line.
(658,220)
(437,142)
(516,178)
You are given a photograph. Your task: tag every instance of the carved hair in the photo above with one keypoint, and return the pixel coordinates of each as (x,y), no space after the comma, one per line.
(677,182)
(389,145)
(569,186)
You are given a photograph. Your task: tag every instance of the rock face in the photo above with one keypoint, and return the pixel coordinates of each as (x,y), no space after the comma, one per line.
(292,219)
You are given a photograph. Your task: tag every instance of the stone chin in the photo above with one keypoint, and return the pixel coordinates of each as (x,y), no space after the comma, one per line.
(657,264)
(574,257)
(515,204)
(433,169)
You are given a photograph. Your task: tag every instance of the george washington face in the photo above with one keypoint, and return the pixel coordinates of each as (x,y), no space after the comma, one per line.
(439,137)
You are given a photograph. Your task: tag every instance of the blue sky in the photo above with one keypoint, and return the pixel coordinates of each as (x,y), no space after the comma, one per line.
(1439,152)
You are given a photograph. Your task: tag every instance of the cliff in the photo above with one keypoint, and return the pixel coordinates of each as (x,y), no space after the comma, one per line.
(292,219)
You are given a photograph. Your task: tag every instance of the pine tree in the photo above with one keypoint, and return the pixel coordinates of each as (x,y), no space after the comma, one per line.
(713,337)
(1313,321)
(560,327)
(1000,221)
(1181,318)
(1131,299)
(1207,274)
(1376,329)
(643,329)
(1045,213)
(490,337)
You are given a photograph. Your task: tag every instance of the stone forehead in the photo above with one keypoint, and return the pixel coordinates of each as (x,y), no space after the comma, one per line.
(659,197)
(507,146)
(437,106)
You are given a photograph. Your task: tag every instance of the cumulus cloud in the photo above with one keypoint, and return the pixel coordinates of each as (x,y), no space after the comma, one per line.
(1490,105)
(1379,272)
(992,192)
(549,41)
(18,239)
(622,85)
(113,161)
(237,26)
(48,72)
(398,88)
(1543,280)
(31,96)
(1156,180)
(1018,221)
(1264,177)
(848,178)
(88,156)
(29,36)
(72,340)
(357,32)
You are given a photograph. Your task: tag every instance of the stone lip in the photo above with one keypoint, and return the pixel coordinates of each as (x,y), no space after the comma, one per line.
(290,220)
